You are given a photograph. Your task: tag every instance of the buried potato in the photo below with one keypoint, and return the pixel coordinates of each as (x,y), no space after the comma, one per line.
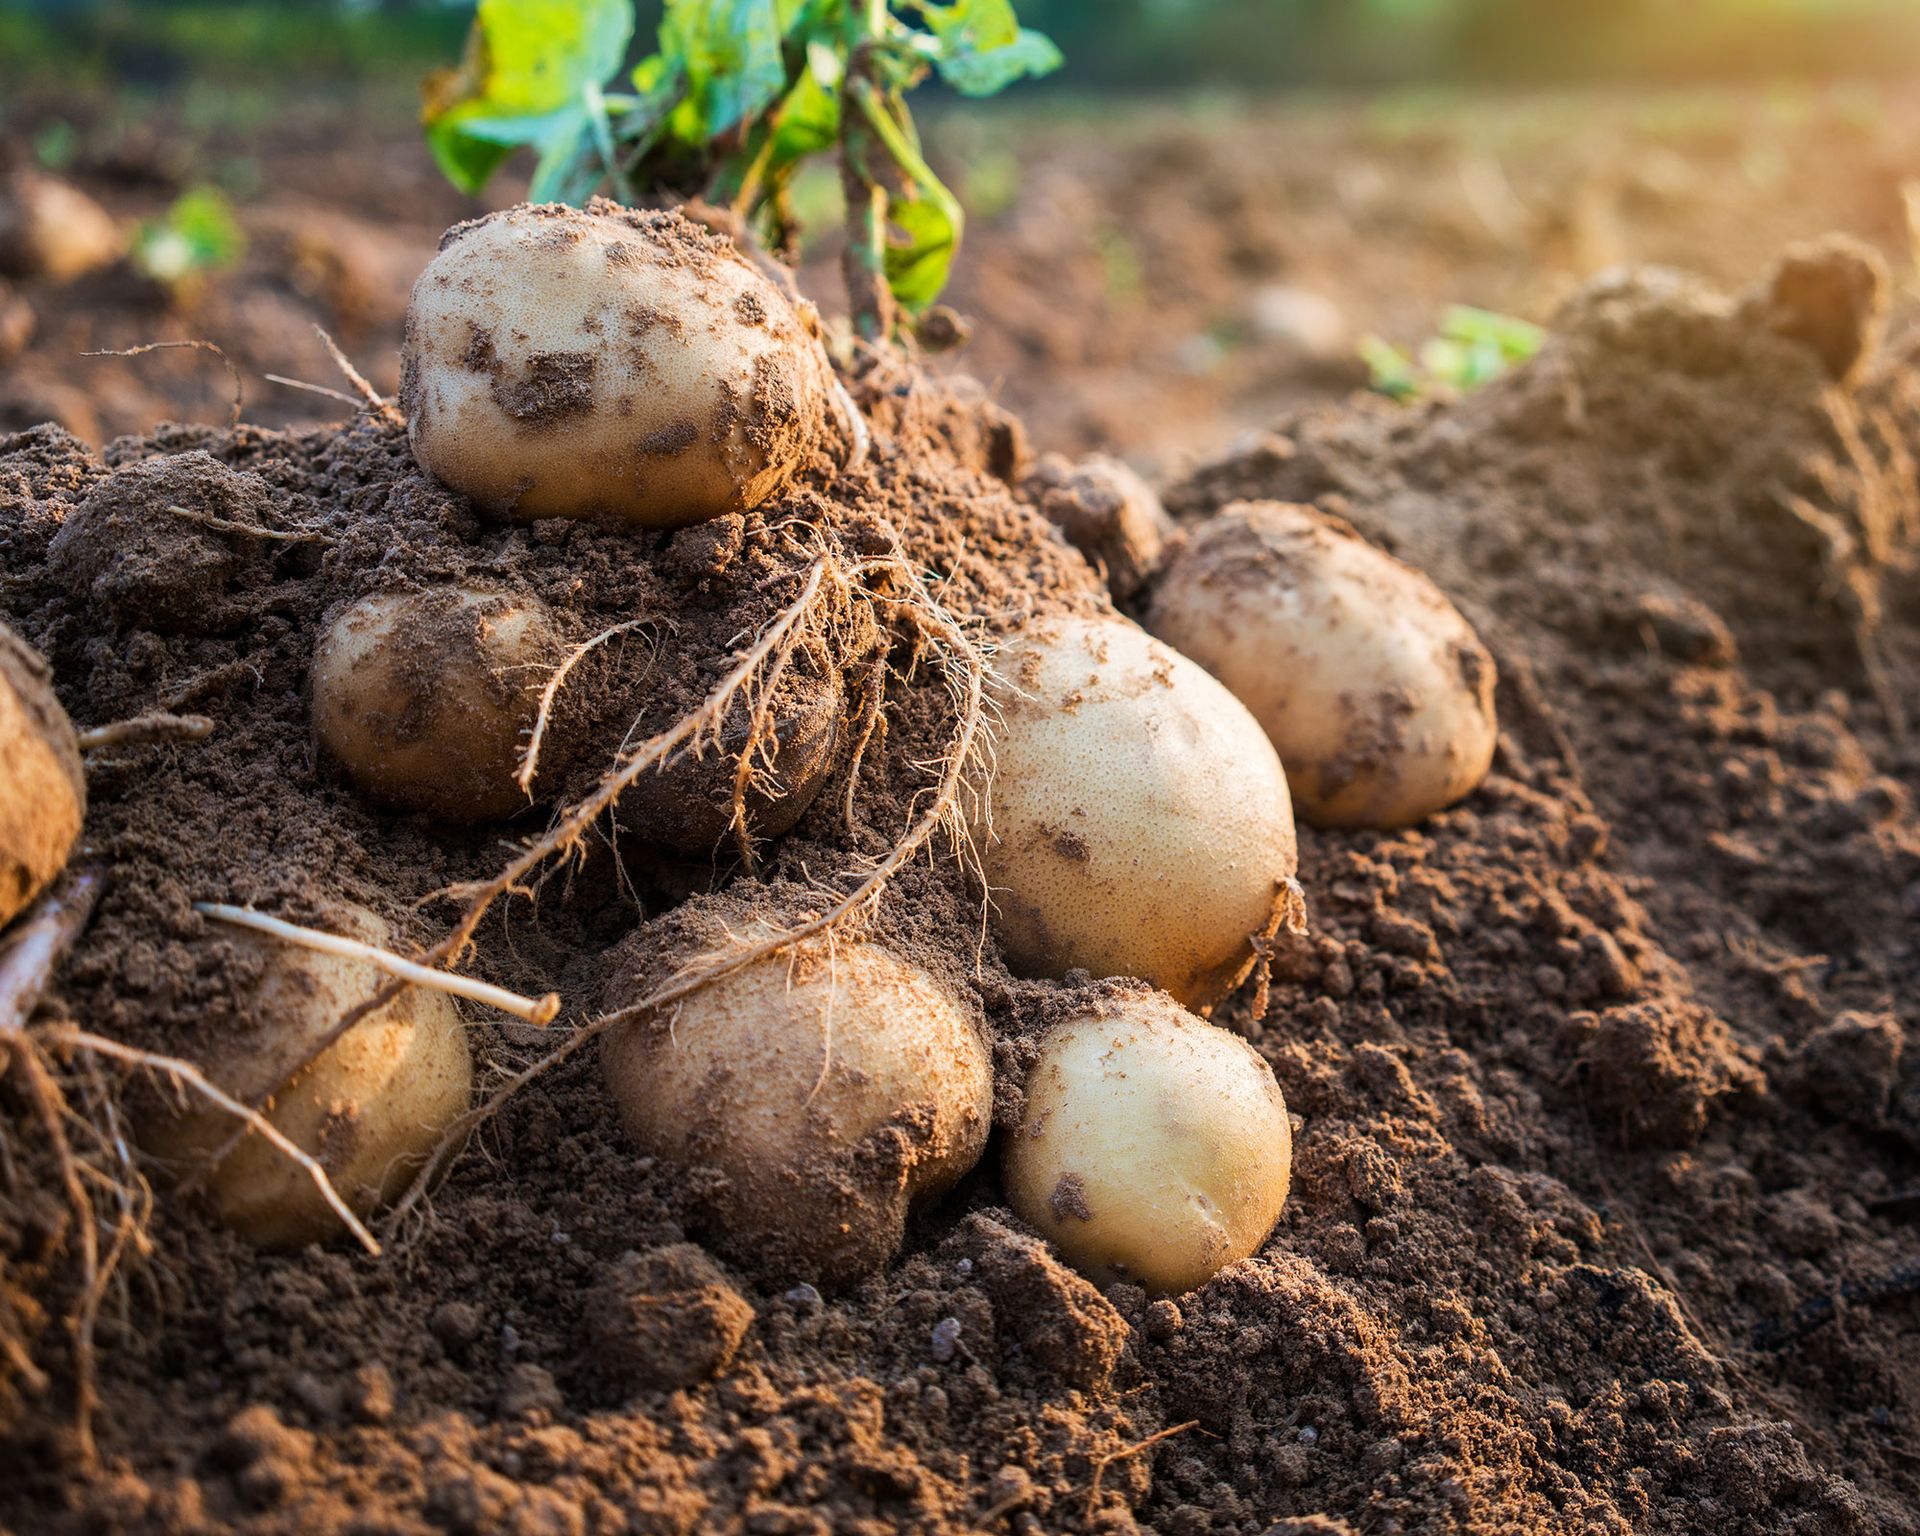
(369,1108)
(812,1098)
(1376,692)
(629,367)
(1139,820)
(43,789)
(428,699)
(1155,1147)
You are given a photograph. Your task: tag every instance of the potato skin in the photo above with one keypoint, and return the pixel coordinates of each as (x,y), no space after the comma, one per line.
(371,1107)
(426,698)
(1140,820)
(43,788)
(624,366)
(1376,692)
(815,1097)
(53,231)
(1154,1148)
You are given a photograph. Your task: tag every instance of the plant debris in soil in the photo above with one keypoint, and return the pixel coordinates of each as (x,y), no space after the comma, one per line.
(1605,1078)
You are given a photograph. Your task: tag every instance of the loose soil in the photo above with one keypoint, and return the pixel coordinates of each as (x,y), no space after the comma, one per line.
(1608,1157)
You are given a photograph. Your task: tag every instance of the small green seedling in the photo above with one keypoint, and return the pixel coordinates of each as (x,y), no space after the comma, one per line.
(197,234)
(736,98)
(1473,347)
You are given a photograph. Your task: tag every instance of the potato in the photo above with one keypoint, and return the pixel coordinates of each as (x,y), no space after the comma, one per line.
(812,1099)
(370,1108)
(1140,821)
(1154,1147)
(612,364)
(1378,695)
(43,789)
(426,698)
(51,230)
(687,803)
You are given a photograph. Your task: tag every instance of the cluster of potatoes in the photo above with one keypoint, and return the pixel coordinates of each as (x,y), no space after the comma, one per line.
(629,368)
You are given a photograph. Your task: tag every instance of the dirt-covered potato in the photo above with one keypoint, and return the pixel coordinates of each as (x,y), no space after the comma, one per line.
(370,1108)
(1154,1147)
(426,698)
(53,231)
(43,789)
(1377,693)
(687,803)
(812,1099)
(626,366)
(1140,824)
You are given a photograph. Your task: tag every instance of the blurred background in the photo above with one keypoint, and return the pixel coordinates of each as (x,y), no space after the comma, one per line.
(1216,210)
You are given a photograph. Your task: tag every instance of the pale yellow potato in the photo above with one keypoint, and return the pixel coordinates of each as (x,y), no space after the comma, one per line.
(1140,820)
(370,1108)
(814,1098)
(427,699)
(613,364)
(43,789)
(54,231)
(1154,1148)
(1376,692)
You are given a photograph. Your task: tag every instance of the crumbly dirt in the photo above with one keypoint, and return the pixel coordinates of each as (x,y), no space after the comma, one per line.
(1609,1106)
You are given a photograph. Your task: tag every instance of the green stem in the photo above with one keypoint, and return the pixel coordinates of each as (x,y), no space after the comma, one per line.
(603,141)
(905,155)
(864,263)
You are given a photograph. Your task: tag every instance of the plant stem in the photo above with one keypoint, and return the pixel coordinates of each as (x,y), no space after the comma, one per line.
(864,264)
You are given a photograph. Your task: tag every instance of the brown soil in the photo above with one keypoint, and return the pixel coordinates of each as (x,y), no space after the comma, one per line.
(1608,1158)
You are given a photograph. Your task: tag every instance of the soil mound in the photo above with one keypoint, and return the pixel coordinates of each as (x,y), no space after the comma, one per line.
(1609,1103)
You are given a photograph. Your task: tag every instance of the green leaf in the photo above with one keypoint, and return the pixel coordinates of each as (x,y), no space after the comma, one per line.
(198,234)
(918,259)
(527,67)
(982,48)
(729,51)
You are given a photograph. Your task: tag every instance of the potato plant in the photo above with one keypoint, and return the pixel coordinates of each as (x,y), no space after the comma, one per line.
(732,102)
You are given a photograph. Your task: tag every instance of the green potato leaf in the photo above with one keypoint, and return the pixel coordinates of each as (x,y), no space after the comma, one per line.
(524,78)
(920,255)
(981,48)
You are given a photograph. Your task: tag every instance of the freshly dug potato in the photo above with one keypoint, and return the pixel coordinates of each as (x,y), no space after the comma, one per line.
(51,230)
(1154,1148)
(813,1098)
(1378,695)
(612,364)
(427,698)
(687,803)
(1140,820)
(370,1108)
(43,789)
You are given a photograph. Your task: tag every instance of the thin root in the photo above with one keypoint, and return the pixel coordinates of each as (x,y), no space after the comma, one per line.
(233,369)
(530,759)
(145,730)
(535,1010)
